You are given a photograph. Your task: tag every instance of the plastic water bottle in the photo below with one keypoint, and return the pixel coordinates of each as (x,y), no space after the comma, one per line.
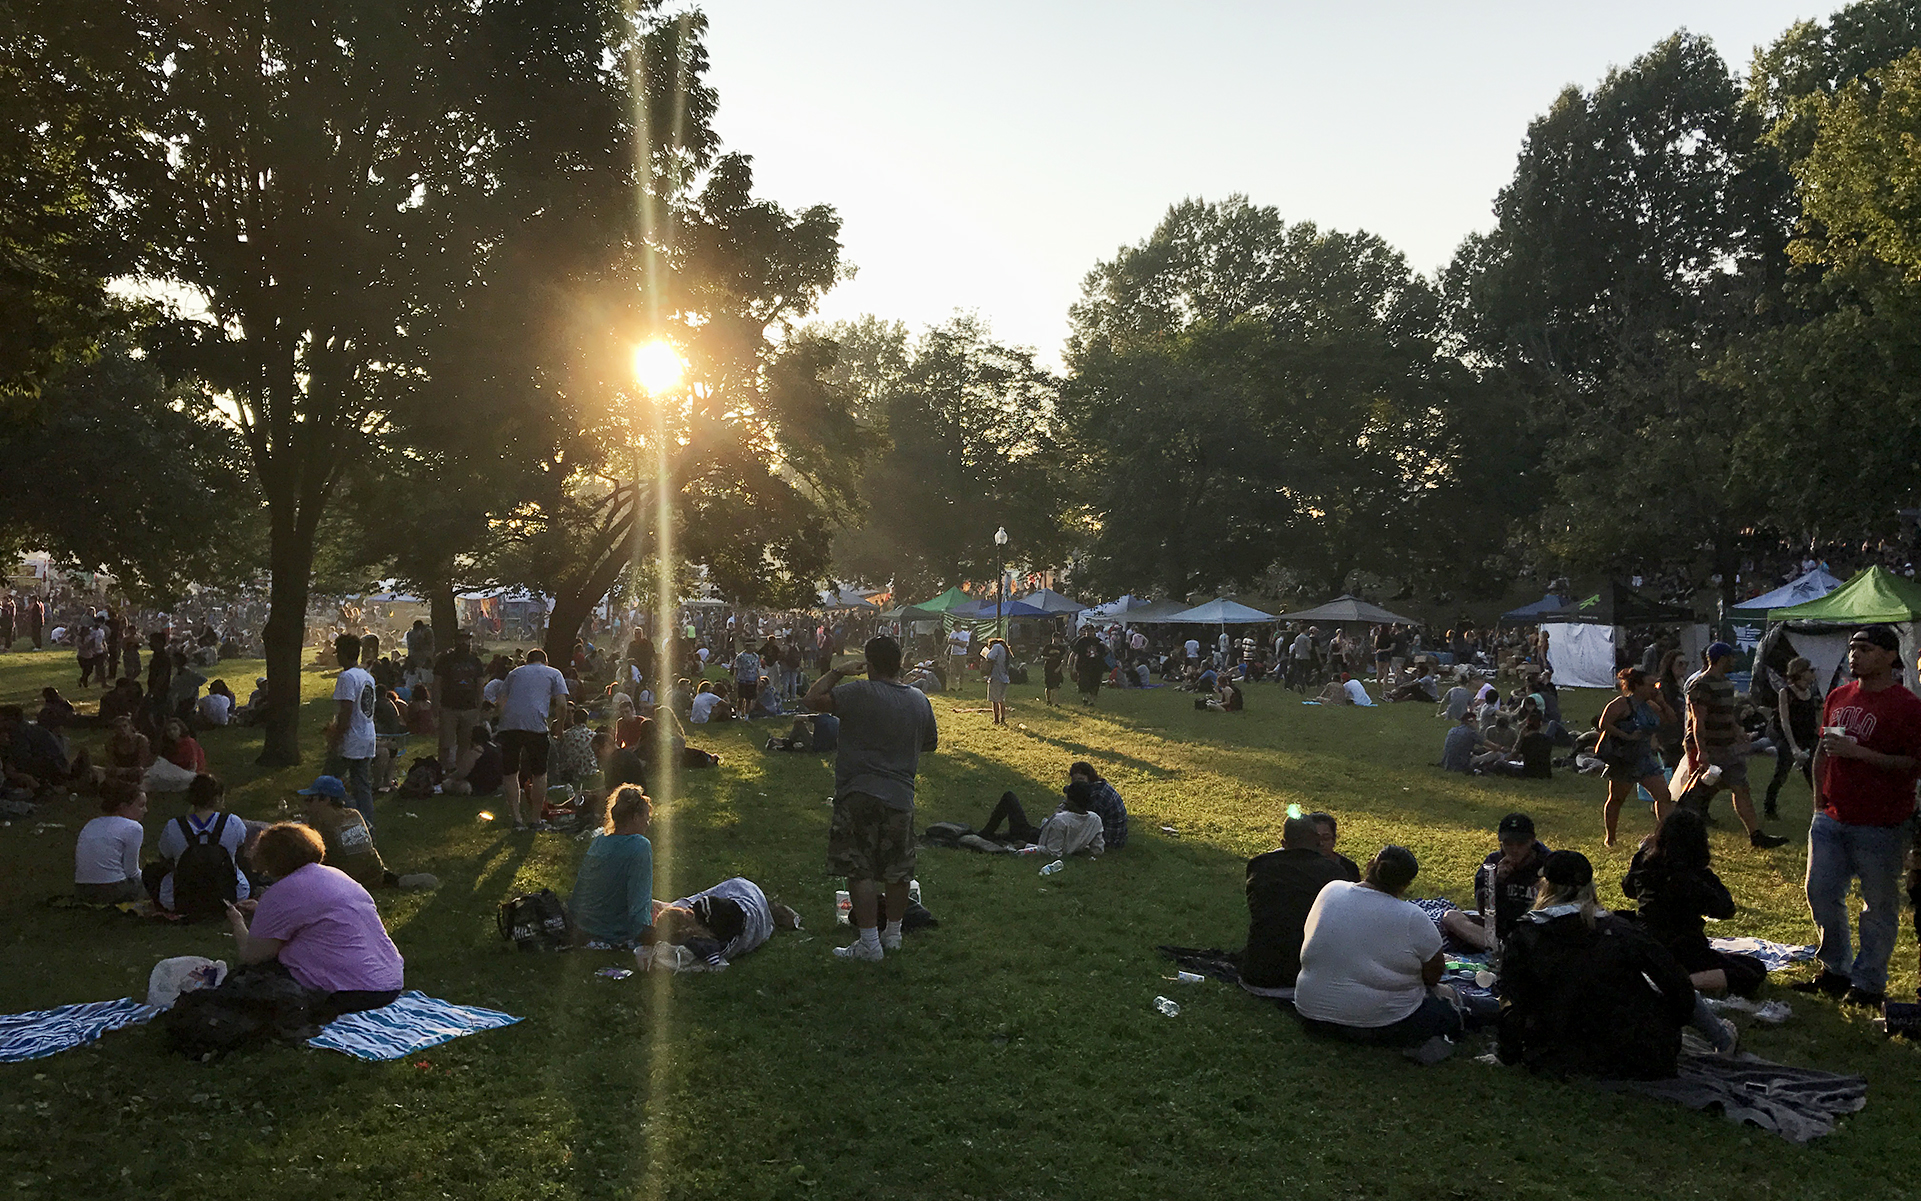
(1490,907)
(1189,977)
(1053,867)
(913,892)
(843,908)
(1167,1007)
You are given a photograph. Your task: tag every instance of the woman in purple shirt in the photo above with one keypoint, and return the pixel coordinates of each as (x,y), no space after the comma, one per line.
(319,926)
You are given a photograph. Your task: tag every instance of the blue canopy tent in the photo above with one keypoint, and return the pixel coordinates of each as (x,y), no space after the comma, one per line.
(1531,614)
(1053,602)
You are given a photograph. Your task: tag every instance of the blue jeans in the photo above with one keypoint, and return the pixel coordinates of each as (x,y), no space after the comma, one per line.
(358,776)
(1839,853)
(1435,1017)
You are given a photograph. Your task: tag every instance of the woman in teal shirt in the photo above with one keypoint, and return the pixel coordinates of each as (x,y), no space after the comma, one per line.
(613,898)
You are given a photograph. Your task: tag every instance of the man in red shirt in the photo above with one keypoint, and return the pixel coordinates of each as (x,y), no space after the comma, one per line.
(1865,768)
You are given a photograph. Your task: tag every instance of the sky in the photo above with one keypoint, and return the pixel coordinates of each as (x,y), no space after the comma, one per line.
(985,155)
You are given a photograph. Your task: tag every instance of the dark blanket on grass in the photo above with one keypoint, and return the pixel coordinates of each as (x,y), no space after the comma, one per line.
(1799,1104)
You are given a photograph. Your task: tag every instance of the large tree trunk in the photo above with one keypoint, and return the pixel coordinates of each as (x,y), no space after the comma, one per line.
(444,611)
(291,555)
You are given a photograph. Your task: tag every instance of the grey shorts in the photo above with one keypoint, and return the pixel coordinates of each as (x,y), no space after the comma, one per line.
(1733,775)
(996,691)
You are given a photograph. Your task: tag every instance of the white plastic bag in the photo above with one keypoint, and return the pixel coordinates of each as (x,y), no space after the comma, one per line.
(166,776)
(171,977)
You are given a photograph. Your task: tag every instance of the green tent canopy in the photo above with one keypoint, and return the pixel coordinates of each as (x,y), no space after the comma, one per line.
(949,599)
(1875,595)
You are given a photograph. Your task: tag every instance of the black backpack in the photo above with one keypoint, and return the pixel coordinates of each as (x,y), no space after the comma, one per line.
(536,921)
(254,1005)
(422,778)
(203,875)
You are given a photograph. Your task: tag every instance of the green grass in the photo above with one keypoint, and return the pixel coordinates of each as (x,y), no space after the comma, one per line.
(1013,1052)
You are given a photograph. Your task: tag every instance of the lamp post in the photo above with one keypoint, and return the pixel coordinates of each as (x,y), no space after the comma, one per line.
(1000,578)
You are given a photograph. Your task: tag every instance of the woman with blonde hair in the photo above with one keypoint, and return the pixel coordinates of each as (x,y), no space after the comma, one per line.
(613,897)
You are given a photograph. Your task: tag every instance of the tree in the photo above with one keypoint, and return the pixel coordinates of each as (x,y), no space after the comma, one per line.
(1249,394)
(970,448)
(131,476)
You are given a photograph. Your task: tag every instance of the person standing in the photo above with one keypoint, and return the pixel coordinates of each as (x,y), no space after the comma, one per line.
(1795,727)
(1090,664)
(1715,738)
(350,737)
(457,683)
(1865,768)
(1053,659)
(9,618)
(1630,728)
(36,620)
(885,727)
(1383,653)
(747,673)
(994,663)
(529,697)
(957,644)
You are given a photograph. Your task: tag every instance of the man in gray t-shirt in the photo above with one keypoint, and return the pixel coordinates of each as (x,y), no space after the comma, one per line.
(885,726)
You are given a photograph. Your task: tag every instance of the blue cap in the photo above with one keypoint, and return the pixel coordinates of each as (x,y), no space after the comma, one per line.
(1717,649)
(328,786)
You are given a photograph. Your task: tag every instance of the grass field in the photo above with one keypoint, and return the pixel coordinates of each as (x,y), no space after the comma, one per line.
(1013,1052)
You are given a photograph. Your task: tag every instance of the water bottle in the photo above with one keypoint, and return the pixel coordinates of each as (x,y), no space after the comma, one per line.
(913,892)
(1167,1007)
(1053,867)
(1189,977)
(843,908)
(1490,907)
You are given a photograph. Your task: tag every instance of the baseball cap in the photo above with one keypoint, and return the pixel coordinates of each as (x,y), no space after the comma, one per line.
(1877,635)
(327,786)
(1516,825)
(1569,869)
(1718,649)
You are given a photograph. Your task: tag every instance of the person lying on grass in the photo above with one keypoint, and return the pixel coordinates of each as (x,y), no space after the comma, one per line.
(318,925)
(1370,962)
(811,735)
(348,840)
(1070,830)
(1505,885)
(1344,691)
(724,922)
(1586,992)
(613,897)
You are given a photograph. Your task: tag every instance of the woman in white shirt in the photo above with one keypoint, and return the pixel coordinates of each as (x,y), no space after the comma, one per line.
(205,797)
(106,860)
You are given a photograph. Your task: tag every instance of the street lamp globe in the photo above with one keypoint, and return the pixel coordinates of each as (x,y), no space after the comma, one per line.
(1000,536)
(657,366)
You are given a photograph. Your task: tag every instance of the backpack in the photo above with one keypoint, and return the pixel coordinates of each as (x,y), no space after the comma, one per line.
(536,921)
(253,1005)
(203,875)
(422,778)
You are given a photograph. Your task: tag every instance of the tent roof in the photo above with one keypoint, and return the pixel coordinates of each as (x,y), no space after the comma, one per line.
(912,613)
(1053,602)
(1616,604)
(1527,613)
(1116,608)
(1811,586)
(984,610)
(1876,594)
(949,599)
(1348,607)
(1219,611)
(844,598)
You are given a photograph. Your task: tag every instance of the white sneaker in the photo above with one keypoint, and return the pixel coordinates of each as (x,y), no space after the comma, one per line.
(889,942)
(859,951)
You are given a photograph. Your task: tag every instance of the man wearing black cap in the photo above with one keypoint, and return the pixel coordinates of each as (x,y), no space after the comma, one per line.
(1504,885)
(1865,767)
(1715,737)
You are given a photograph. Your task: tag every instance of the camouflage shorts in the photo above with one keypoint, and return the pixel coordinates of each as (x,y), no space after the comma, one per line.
(870,840)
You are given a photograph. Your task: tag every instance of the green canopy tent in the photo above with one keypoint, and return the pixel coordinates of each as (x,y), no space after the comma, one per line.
(953,598)
(1819,628)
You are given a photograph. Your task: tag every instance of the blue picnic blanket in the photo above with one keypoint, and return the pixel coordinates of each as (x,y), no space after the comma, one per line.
(412,1023)
(46,1032)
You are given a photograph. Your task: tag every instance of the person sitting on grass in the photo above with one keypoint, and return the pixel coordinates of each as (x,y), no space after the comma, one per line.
(349,842)
(709,705)
(766,702)
(1227,696)
(1096,795)
(1345,691)
(56,710)
(613,897)
(812,734)
(106,859)
(1281,888)
(722,923)
(1535,751)
(1458,699)
(1370,962)
(218,838)
(1423,688)
(479,769)
(319,926)
(179,747)
(1462,744)
(1330,830)
(1068,831)
(1584,992)
(1505,885)
(32,760)
(217,707)
(123,700)
(1677,890)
